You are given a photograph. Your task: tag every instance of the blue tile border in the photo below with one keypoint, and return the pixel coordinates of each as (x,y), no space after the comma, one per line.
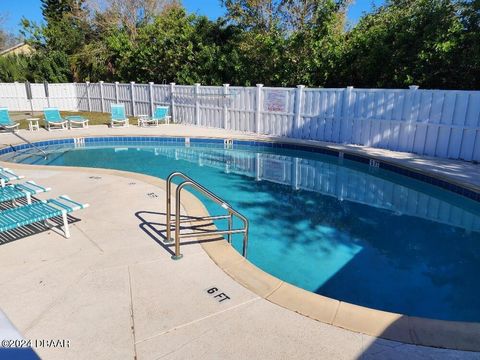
(153,140)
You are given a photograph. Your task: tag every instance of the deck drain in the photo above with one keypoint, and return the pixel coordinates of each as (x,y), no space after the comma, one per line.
(95,177)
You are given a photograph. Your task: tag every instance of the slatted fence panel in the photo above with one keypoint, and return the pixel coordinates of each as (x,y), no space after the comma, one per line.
(95,97)
(211,102)
(110,96)
(241,110)
(184,100)
(142,99)
(81,96)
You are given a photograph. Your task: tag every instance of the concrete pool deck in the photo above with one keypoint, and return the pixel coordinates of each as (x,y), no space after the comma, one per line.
(113,291)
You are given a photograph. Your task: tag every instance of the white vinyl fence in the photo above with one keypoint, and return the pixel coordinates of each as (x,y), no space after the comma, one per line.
(14,97)
(442,123)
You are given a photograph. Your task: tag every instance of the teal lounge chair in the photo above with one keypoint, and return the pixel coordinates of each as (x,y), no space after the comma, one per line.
(53,119)
(118,119)
(20,191)
(40,211)
(6,123)
(7,175)
(77,121)
(160,114)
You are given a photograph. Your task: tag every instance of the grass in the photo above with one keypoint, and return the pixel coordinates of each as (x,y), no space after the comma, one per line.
(95,118)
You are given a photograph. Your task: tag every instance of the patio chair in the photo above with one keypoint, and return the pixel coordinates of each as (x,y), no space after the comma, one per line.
(7,175)
(41,211)
(6,123)
(20,191)
(53,119)
(77,121)
(160,113)
(118,117)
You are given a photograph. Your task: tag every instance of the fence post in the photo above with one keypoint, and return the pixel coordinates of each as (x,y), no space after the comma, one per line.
(226,88)
(116,92)
(102,106)
(258,110)
(345,135)
(150,92)
(89,103)
(132,96)
(17,97)
(297,111)
(20,89)
(197,104)
(172,101)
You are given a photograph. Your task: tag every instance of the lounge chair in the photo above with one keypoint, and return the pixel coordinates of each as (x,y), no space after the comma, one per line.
(77,121)
(118,118)
(20,191)
(160,113)
(7,175)
(53,119)
(6,123)
(40,211)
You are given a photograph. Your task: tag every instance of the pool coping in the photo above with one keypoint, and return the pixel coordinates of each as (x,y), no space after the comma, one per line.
(392,326)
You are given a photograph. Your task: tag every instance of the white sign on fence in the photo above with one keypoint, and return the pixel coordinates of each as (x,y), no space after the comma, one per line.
(275,101)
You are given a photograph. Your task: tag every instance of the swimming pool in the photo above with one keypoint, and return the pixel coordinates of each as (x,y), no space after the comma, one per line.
(330,225)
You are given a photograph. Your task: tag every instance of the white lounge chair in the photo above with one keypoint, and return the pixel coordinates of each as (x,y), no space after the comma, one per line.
(7,175)
(160,114)
(53,119)
(6,123)
(118,117)
(77,122)
(20,191)
(40,211)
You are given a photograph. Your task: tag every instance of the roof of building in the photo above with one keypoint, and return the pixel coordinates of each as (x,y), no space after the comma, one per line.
(13,48)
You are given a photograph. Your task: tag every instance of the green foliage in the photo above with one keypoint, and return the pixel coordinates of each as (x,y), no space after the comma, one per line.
(406,42)
(431,43)
(54,10)
(52,66)
(13,68)
(64,34)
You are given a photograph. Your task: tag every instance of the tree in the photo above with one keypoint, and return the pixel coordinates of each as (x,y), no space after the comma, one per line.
(129,15)
(287,42)
(316,40)
(164,50)
(13,68)
(65,31)
(54,10)
(432,43)
(405,42)
(468,49)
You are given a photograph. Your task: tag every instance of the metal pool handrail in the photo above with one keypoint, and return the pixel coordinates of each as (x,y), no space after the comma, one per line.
(188,181)
(31,144)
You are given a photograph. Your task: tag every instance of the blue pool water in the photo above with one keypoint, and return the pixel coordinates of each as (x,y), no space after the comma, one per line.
(331,226)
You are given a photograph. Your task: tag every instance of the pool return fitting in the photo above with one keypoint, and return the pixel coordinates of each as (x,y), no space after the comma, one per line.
(231,213)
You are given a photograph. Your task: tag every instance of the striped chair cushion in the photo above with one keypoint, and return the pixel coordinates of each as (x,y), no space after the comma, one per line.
(11,193)
(26,215)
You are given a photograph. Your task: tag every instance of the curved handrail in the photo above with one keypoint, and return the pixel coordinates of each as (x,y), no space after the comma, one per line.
(188,181)
(32,144)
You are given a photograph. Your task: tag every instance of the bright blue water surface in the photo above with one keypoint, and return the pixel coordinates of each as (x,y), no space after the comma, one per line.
(331,226)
